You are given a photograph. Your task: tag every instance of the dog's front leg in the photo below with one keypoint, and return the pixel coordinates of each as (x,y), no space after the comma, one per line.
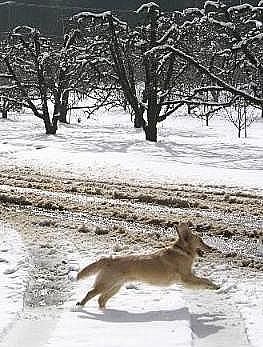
(199,282)
(89,296)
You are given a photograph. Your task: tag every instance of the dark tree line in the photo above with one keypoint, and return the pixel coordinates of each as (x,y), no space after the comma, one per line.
(209,57)
(49,16)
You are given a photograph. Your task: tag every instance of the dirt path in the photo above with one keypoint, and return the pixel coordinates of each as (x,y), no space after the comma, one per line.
(216,211)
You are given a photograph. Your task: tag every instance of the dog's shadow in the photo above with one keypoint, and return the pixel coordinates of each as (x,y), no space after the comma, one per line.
(205,324)
(120,316)
(202,324)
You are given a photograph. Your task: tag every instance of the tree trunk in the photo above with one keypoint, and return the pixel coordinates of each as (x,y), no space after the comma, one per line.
(63,114)
(139,122)
(64,108)
(245,122)
(4,114)
(56,107)
(150,128)
(207,120)
(126,79)
(61,108)
(61,111)
(151,132)
(150,65)
(51,127)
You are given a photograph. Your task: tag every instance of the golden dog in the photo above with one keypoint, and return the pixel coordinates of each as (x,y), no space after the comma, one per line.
(167,266)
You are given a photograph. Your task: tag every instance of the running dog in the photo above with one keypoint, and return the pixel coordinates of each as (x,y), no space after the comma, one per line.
(167,266)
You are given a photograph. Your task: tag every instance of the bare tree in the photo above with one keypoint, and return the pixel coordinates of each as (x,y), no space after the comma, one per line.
(153,61)
(64,73)
(240,117)
(42,71)
(25,63)
(7,105)
(232,58)
(145,76)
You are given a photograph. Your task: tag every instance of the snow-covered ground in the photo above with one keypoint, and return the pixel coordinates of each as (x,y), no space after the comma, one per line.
(13,276)
(249,299)
(107,147)
(139,315)
(145,316)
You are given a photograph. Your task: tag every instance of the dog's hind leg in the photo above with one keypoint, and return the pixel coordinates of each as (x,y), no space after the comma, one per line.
(192,281)
(105,296)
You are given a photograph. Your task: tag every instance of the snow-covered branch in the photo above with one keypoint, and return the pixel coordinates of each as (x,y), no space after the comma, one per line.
(148,7)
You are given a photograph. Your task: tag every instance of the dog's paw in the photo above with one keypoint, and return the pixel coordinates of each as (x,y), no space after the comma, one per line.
(213,286)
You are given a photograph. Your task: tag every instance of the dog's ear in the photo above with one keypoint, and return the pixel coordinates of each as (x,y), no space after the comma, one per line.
(184,231)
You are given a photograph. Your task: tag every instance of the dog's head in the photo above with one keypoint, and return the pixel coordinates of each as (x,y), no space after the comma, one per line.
(190,240)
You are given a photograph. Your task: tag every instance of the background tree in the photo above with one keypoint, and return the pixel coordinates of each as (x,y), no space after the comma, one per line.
(240,116)
(145,76)
(26,66)
(42,71)
(233,58)
(64,74)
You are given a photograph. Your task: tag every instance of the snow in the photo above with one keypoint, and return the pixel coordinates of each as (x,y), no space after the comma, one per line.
(139,313)
(240,8)
(108,147)
(211,3)
(102,15)
(143,315)
(250,302)
(7,3)
(223,24)
(13,276)
(192,11)
(258,23)
(248,296)
(147,6)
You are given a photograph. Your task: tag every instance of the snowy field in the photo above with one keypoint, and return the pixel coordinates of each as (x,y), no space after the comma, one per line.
(106,147)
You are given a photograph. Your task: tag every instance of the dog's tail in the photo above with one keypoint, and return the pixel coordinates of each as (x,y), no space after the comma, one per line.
(92,269)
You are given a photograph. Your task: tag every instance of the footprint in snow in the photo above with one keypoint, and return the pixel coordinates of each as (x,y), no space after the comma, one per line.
(3,260)
(10,270)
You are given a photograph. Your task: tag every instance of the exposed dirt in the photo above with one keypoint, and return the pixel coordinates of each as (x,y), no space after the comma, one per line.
(122,214)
